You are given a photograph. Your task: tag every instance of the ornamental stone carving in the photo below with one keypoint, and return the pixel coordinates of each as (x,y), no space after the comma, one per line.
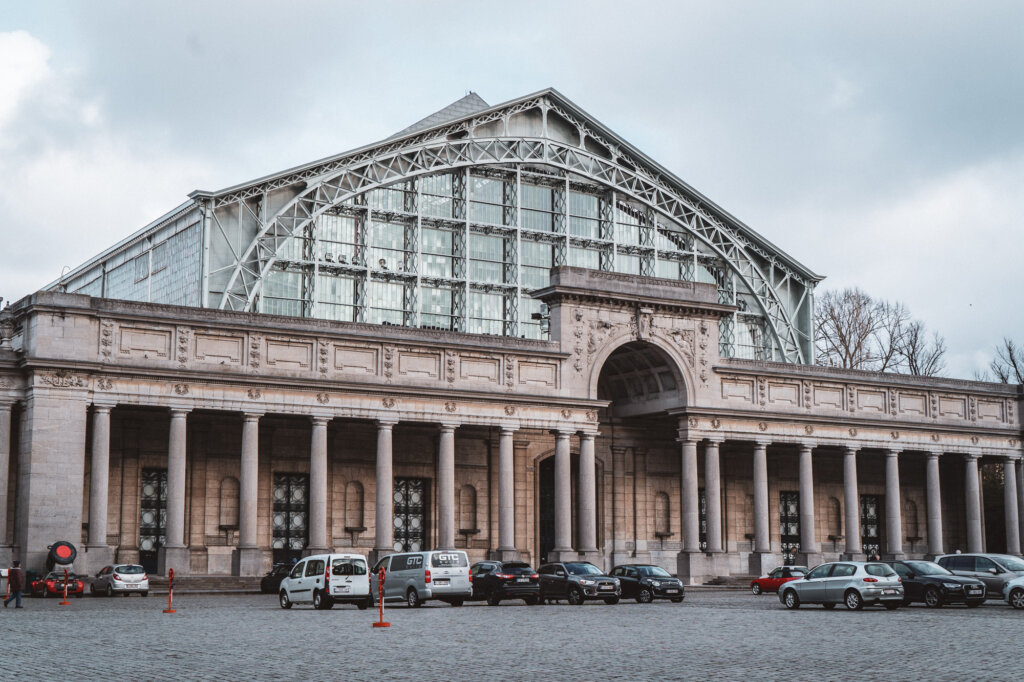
(184,340)
(566,414)
(255,394)
(591,415)
(388,402)
(64,379)
(762,426)
(104,384)
(972,404)
(762,391)
(510,372)
(936,437)
(106,339)
(389,362)
(853,432)
(808,429)
(450,361)
(323,355)
(181,389)
(510,410)
(255,346)
(895,435)
(323,398)
(716,422)
(693,422)
(450,406)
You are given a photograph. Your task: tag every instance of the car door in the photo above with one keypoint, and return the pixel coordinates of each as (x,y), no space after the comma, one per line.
(313,578)
(988,572)
(102,578)
(913,588)
(837,582)
(482,578)
(546,575)
(773,581)
(628,584)
(293,583)
(812,588)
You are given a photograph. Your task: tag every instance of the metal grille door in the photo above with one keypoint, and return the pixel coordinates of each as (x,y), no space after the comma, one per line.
(291,516)
(152,516)
(869,532)
(702,506)
(789,525)
(410,514)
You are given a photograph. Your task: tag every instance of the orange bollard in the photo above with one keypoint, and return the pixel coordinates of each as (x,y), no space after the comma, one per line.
(65,602)
(170,590)
(380,602)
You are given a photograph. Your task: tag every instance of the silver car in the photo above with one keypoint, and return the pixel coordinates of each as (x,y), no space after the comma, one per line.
(995,570)
(854,583)
(121,579)
(1013,593)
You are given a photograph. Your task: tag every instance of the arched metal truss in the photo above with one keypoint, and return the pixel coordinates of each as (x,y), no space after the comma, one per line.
(450,148)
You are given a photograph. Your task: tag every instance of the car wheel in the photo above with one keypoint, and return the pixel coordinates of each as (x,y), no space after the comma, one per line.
(932,598)
(575,596)
(644,596)
(79,595)
(412,598)
(611,600)
(891,605)
(492,598)
(286,603)
(828,605)
(456,602)
(676,600)
(1016,598)
(145,594)
(791,600)
(532,601)
(975,603)
(755,588)
(853,600)
(110,591)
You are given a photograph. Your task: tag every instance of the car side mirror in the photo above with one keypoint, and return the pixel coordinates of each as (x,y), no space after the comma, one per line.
(994,571)
(560,574)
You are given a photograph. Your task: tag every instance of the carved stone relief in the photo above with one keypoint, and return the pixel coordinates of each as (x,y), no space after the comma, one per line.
(106,339)
(64,379)
(184,339)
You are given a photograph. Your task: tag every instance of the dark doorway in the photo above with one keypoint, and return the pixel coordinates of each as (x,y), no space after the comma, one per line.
(410,514)
(702,506)
(291,516)
(789,525)
(152,516)
(546,498)
(870,536)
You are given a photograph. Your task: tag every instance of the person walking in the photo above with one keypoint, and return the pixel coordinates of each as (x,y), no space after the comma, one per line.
(15,583)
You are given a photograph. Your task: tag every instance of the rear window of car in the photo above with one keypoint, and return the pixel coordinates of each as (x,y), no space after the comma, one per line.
(348,567)
(449,560)
(130,570)
(879,570)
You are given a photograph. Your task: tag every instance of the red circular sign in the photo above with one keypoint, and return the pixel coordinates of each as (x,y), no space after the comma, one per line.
(63,551)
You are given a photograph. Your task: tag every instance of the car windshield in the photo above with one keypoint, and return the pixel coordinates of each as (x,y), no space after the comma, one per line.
(60,576)
(654,571)
(926,568)
(583,569)
(130,570)
(1012,563)
(283,569)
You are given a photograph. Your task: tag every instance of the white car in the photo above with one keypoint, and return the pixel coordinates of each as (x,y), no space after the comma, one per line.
(1013,592)
(324,580)
(121,579)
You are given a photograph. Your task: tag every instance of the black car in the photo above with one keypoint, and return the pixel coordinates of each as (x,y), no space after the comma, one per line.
(497,580)
(577,581)
(271,582)
(930,583)
(645,583)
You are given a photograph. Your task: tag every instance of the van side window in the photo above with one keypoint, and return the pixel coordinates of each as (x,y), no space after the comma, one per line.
(400,562)
(383,563)
(297,571)
(314,567)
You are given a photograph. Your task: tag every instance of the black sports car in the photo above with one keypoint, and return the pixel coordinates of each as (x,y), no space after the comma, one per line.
(271,582)
(497,580)
(577,581)
(645,583)
(930,583)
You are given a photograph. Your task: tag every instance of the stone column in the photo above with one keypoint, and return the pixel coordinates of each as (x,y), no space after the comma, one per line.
(174,554)
(972,503)
(5,467)
(446,488)
(385,516)
(506,497)
(761,559)
(318,488)
(588,497)
(713,494)
(1010,504)
(1020,499)
(851,504)
(98,554)
(691,498)
(934,506)
(563,550)
(248,557)
(893,509)
(810,552)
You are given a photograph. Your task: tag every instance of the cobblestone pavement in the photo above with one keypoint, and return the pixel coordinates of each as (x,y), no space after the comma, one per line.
(727,635)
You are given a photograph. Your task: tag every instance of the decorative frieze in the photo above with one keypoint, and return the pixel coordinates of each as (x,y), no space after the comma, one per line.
(64,379)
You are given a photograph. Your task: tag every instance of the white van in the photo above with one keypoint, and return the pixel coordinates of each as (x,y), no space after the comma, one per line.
(420,576)
(325,580)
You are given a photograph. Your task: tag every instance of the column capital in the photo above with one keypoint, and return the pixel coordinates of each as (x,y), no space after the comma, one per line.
(714,440)
(563,433)
(588,435)
(505,430)
(687,439)
(933,454)
(850,450)
(180,412)
(1012,457)
(252,416)
(319,419)
(100,408)
(807,445)
(893,452)
(969,456)
(386,423)
(448,427)
(762,443)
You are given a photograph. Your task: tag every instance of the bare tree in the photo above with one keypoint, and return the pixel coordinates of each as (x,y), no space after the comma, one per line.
(1008,365)
(890,335)
(919,354)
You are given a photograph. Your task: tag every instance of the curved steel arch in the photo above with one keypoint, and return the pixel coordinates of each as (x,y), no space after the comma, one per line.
(443,155)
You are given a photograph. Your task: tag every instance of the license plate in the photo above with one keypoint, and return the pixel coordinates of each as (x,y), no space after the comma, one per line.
(671,591)
(522,580)
(341,588)
(888,591)
(606,587)
(442,581)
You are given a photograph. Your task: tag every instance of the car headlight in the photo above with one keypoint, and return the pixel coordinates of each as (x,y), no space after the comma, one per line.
(951,586)
(587,582)
(655,583)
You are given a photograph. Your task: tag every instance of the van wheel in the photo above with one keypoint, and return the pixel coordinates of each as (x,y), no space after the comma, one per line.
(321,601)
(365,604)
(575,596)
(286,603)
(493,599)
(412,599)
(456,602)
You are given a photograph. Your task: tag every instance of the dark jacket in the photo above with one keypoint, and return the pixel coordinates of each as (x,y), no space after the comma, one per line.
(14,579)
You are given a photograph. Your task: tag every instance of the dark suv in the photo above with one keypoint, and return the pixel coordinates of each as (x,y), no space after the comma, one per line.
(577,581)
(645,583)
(497,580)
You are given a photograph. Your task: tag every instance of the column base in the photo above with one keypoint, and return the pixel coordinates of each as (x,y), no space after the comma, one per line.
(761,563)
(505,554)
(894,556)
(378,554)
(591,555)
(6,555)
(563,554)
(178,558)
(852,556)
(696,568)
(95,558)
(310,551)
(932,557)
(809,559)
(247,561)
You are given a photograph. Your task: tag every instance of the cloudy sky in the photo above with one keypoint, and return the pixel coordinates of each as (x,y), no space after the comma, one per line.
(880,143)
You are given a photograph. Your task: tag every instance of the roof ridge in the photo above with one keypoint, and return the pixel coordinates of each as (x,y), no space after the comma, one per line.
(464,106)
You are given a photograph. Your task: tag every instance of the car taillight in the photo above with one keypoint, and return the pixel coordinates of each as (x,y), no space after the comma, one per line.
(534,576)
(504,576)
(145,576)
(426,577)
(899,580)
(871,580)
(470,576)
(117,577)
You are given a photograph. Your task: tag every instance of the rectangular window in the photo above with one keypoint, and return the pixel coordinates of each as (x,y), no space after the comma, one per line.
(627,264)
(159,257)
(437,253)
(384,303)
(584,258)
(535,258)
(336,297)
(436,196)
(486,200)
(142,267)
(436,308)
(583,215)
(668,269)
(537,208)
(337,235)
(486,255)
(486,313)
(282,293)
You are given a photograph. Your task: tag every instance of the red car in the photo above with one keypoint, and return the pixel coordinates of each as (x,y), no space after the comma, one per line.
(53,585)
(778,576)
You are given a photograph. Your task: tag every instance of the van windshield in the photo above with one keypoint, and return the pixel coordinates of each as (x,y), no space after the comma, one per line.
(448,560)
(348,567)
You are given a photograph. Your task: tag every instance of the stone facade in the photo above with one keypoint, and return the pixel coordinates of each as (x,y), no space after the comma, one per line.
(688,470)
